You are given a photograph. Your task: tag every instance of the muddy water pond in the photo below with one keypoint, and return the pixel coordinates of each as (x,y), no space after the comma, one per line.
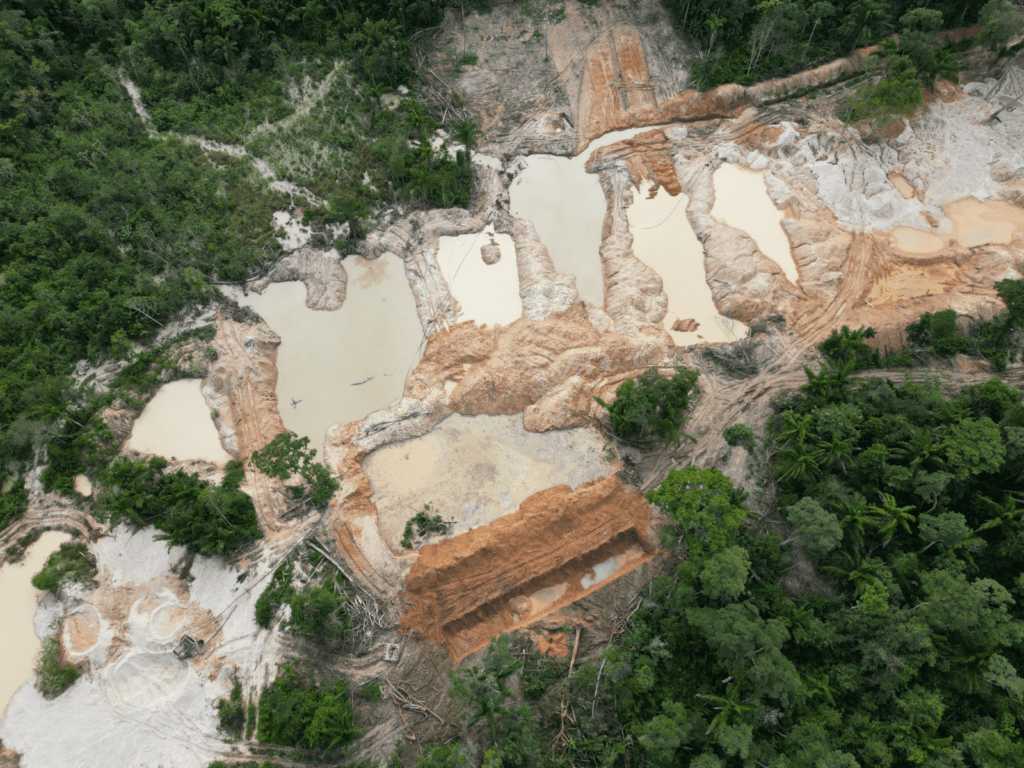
(340,366)
(566,206)
(973,222)
(177,424)
(83,485)
(18,603)
(474,469)
(742,202)
(488,293)
(664,240)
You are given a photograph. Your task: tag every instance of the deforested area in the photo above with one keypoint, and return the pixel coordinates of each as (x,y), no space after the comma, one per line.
(512,383)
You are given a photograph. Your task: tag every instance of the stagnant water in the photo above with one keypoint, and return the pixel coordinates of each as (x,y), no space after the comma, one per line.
(566,205)
(969,222)
(18,603)
(177,424)
(664,240)
(487,293)
(340,366)
(742,202)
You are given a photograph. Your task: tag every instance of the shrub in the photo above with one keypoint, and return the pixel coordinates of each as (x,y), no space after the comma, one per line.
(288,454)
(231,712)
(845,346)
(443,756)
(938,331)
(652,405)
(423,524)
(72,561)
(540,672)
(740,435)
(53,676)
(275,595)
(319,611)
(899,93)
(371,692)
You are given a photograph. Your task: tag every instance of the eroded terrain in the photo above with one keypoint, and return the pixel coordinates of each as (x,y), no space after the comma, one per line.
(495,422)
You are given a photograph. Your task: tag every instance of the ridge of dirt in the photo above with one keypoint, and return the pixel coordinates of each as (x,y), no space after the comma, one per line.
(320,271)
(457,597)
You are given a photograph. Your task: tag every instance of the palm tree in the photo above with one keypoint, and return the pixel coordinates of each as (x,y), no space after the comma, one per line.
(465,131)
(895,517)
(834,451)
(794,428)
(799,465)
(729,707)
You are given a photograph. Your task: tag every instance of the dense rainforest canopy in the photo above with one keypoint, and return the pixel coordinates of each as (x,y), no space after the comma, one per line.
(744,41)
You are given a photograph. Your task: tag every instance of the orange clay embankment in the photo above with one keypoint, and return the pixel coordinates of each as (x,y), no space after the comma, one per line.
(463,591)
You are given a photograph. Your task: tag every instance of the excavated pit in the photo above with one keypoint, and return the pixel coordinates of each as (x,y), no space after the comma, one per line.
(481,272)
(552,551)
(177,424)
(474,469)
(342,364)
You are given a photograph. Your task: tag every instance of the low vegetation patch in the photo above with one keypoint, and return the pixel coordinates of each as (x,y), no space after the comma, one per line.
(287,455)
(13,503)
(72,561)
(318,611)
(275,594)
(740,435)
(231,712)
(946,333)
(423,524)
(53,675)
(16,551)
(297,711)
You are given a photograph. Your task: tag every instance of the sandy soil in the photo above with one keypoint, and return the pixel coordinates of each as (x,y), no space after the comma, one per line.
(474,469)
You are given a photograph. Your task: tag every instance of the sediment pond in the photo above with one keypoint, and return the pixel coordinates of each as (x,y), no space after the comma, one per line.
(18,603)
(742,202)
(488,293)
(664,240)
(566,206)
(969,222)
(177,424)
(337,367)
(474,469)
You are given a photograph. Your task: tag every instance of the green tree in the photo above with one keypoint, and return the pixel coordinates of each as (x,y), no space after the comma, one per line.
(1000,21)
(724,575)
(974,446)
(816,529)
(704,507)
(296,711)
(651,405)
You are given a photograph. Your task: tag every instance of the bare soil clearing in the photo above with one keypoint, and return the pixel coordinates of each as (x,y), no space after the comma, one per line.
(474,469)
(548,551)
